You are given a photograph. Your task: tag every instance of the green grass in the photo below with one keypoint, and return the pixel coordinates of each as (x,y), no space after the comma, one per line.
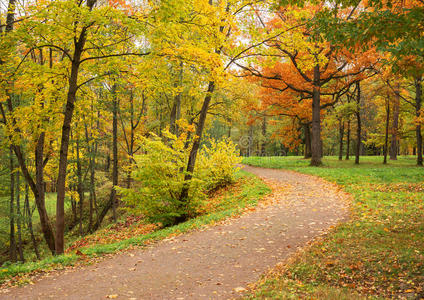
(232,202)
(378,253)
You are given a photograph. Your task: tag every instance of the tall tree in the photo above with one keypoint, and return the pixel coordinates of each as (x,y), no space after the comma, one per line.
(394,146)
(358,122)
(317,68)
(418,103)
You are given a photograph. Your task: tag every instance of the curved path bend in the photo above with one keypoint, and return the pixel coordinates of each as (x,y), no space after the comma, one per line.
(214,263)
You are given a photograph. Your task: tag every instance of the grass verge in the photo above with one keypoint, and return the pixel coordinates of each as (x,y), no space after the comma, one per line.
(378,254)
(228,202)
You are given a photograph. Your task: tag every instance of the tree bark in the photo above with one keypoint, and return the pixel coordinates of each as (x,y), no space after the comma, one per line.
(316,120)
(12,240)
(10,18)
(29,223)
(80,186)
(358,119)
(19,217)
(114,151)
(307,130)
(92,148)
(395,126)
(102,215)
(341,133)
(386,140)
(418,100)
(74,209)
(348,140)
(131,141)
(63,156)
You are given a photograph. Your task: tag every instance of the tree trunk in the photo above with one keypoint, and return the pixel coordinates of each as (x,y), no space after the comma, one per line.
(91,165)
(19,217)
(10,18)
(102,215)
(316,121)
(92,190)
(386,140)
(195,148)
(64,142)
(12,240)
(358,119)
(307,130)
(263,145)
(418,99)
(80,186)
(63,157)
(40,194)
(29,223)
(395,124)
(341,133)
(114,151)
(348,140)
(74,209)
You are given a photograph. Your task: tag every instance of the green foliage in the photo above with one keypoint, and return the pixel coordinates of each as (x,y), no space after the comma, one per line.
(397,31)
(160,178)
(159,181)
(216,165)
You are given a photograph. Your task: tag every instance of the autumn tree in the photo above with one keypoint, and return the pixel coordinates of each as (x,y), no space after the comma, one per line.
(316,68)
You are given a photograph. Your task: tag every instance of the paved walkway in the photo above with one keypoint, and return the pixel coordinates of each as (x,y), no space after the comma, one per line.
(214,263)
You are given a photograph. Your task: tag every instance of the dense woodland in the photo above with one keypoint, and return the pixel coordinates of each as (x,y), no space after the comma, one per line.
(110,108)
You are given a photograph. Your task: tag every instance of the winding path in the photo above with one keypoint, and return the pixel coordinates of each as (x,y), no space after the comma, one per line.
(214,263)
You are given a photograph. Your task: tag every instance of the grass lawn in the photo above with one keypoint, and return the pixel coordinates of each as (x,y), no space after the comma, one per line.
(231,201)
(379,253)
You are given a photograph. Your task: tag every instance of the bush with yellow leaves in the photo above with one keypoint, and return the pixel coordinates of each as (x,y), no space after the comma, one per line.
(158,176)
(217,164)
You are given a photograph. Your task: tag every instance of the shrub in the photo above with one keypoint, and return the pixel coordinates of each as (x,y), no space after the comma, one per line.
(158,180)
(158,176)
(217,163)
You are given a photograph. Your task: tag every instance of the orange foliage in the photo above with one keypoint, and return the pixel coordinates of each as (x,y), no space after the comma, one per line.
(287,84)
